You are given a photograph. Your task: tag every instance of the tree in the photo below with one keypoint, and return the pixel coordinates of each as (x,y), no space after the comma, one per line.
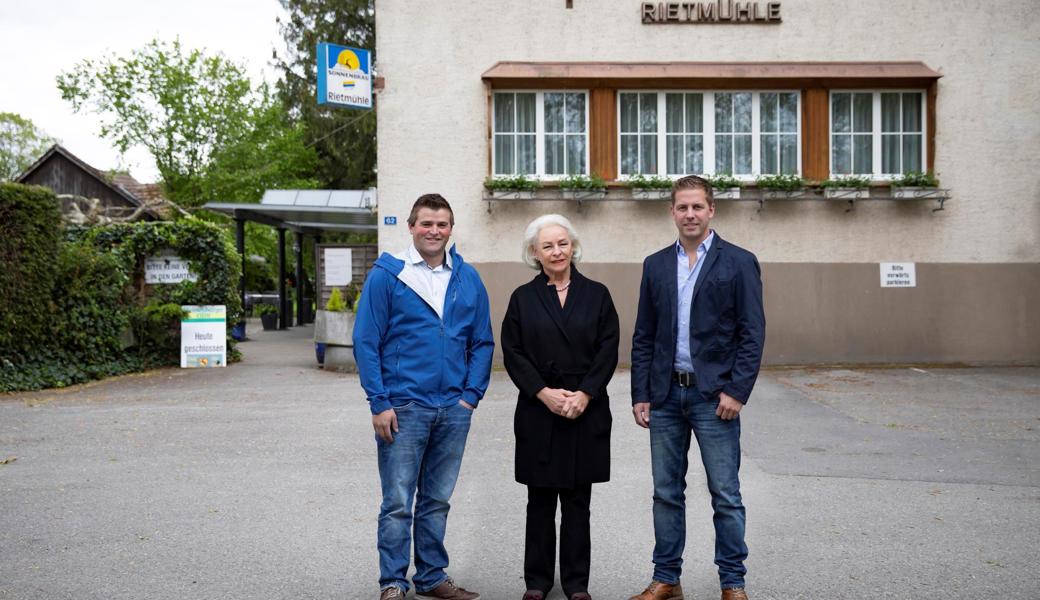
(21,143)
(213,135)
(344,139)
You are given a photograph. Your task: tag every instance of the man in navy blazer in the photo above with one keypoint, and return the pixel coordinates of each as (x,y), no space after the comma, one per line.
(696,353)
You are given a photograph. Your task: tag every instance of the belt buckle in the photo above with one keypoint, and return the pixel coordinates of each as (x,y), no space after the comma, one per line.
(683,378)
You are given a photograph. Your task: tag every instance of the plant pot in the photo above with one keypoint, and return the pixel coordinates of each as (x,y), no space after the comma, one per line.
(916,192)
(270,321)
(727,194)
(512,194)
(335,330)
(651,193)
(846,193)
(238,332)
(319,353)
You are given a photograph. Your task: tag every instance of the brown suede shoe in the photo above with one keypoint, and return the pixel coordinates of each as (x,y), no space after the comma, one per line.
(658,590)
(448,591)
(391,593)
(734,594)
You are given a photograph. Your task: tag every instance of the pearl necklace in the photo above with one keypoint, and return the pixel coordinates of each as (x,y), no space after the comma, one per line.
(560,289)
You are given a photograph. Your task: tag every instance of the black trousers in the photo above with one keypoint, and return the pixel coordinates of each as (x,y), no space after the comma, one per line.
(540,541)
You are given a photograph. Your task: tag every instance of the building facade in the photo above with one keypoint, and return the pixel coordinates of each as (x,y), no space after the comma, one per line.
(620,88)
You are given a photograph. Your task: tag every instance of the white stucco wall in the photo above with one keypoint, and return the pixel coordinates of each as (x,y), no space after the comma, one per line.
(433,122)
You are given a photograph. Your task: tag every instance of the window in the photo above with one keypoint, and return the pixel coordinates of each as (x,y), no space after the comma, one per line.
(879,134)
(779,133)
(515,133)
(740,133)
(684,139)
(638,133)
(540,133)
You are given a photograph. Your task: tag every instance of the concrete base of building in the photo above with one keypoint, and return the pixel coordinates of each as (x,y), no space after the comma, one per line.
(837,313)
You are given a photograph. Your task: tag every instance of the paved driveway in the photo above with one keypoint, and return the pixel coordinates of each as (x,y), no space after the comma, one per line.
(259,481)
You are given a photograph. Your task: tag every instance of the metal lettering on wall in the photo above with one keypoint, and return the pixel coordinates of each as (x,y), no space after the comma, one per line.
(706,13)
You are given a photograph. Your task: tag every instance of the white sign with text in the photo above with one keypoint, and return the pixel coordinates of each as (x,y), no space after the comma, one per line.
(339,266)
(204,337)
(901,274)
(167,268)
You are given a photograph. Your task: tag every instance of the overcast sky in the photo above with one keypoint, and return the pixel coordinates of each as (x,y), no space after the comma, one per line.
(40,39)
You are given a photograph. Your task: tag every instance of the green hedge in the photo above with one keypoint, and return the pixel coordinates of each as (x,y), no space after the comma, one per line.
(30,236)
(79,308)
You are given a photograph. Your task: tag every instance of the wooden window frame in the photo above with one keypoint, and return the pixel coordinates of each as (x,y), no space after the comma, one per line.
(603,82)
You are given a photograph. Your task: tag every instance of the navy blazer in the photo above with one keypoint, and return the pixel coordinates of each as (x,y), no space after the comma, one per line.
(727,324)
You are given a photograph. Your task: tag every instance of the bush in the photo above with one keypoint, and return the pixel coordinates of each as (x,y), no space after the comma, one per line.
(915,179)
(642,182)
(75,306)
(30,237)
(783,183)
(518,182)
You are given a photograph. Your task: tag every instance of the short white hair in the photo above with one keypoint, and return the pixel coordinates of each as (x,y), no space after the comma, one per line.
(531,238)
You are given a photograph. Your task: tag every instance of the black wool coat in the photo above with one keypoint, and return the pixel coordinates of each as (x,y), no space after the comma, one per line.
(574,347)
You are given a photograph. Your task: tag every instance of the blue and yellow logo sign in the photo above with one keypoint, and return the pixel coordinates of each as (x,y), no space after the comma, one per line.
(344,76)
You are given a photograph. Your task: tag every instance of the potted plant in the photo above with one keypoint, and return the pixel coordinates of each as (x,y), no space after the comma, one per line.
(583,187)
(650,188)
(781,186)
(334,329)
(268,314)
(516,187)
(846,187)
(915,184)
(725,186)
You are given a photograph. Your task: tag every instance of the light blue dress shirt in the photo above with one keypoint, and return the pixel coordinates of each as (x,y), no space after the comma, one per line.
(687,280)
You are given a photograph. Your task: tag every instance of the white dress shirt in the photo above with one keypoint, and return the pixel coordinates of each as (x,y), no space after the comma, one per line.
(430,283)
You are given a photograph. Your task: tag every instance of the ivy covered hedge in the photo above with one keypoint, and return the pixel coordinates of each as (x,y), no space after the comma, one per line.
(78,307)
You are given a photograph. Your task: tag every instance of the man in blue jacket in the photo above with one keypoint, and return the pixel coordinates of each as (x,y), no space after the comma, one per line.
(423,345)
(696,351)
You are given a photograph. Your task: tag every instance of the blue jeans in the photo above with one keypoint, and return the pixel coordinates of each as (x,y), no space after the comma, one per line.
(422,463)
(719,441)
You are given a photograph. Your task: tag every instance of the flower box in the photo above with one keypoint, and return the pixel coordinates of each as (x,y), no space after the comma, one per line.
(846,193)
(512,194)
(786,194)
(917,192)
(590,194)
(651,193)
(727,194)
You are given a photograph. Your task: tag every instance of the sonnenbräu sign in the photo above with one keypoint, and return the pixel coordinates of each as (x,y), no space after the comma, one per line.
(344,76)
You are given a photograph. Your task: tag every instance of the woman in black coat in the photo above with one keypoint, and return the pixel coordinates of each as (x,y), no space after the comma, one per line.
(559,345)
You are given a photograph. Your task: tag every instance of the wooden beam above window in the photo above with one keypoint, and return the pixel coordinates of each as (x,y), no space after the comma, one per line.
(718,75)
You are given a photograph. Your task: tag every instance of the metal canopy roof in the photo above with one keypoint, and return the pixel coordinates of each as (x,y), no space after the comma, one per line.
(308,211)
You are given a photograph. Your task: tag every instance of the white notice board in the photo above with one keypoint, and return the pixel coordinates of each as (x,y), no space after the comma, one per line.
(204,337)
(339,267)
(898,274)
(167,268)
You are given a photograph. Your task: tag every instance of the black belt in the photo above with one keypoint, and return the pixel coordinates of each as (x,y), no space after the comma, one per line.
(684,379)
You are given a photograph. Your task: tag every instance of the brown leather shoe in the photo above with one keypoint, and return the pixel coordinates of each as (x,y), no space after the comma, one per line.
(658,590)
(580,596)
(734,594)
(391,593)
(448,591)
(534,595)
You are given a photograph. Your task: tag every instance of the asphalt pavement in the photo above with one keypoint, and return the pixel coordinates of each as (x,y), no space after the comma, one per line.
(259,481)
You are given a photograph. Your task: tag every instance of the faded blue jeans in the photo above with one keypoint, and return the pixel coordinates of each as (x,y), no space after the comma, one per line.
(671,424)
(421,464)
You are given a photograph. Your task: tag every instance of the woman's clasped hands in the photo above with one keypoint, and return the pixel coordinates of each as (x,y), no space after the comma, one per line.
(565,403)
